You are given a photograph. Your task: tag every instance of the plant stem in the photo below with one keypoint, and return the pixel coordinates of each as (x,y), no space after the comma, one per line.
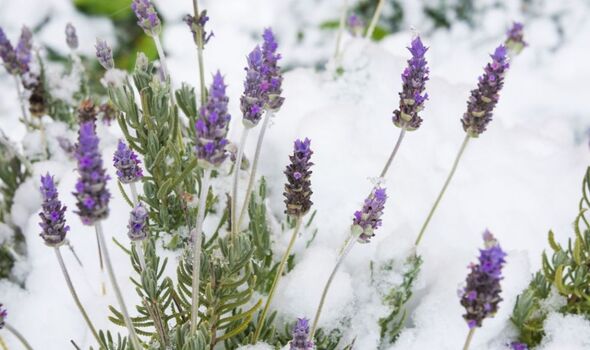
(394,152)
(71,247)
(103,289)
(197,248)
(237,166)
(340,30)
(375,19)
(444,188)
(18,335)
(254,167)
(277,278)
(134,195)
(140,255)
(134,340)
(21,100)
(341,258)
(64,270)
(3,344)
(200,44)
(469,337)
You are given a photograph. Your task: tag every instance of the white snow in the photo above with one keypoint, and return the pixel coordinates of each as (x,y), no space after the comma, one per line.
(519,179)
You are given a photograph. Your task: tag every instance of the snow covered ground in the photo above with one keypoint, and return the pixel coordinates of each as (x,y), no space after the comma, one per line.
(519,179)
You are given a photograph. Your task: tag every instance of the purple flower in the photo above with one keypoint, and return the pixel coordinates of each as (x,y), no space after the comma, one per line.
(367,220)
(212,124)
(262,88)
(355,25)
(71,36)
(147,17)
(481,294)
(8,54)
(138,228)
(104,54)
(298,187)
(66,146)
(91,191)
(482,101)
(515,38)
(412,97)
(53,222)
(518,346)
(197,25)
(16,60)
(300,333)
(3,315)
(127,164)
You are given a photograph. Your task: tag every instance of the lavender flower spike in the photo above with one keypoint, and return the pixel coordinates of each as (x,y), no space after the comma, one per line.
(138,229)
(71,36)
(518,346)
(127,164)
(252,101)
(272,77)
(515,38)
(481,294)
(367,220)
(8,54)
(212,125)
(197,25)
(298,187)
(3,315)
(53,222)
(147,17)
(23,49)
(104,54)
(91,191)
(483,100)
(412,97)
(300,333)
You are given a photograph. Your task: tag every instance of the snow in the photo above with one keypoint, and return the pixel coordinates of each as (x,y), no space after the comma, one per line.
(519,179)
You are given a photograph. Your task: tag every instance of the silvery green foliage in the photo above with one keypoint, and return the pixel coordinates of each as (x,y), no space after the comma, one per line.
(564,272)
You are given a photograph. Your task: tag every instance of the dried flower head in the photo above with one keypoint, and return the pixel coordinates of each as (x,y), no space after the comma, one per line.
(368,219)
(300,340)
(38,103)
(104,54)
(515,38)
(147,17)
(211,127)
(71,36)
(483,100)
(412,97)
(197,25)
(53,222)
(91,191)
(355,25)
(3,315)
(106,113)
(87,111)
(138,228)
(298,187)
(127,164)
(481,295)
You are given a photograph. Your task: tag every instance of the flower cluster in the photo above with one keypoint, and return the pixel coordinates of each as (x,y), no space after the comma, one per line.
(71,36)
(3,315)
(87,111)
(515,38)
(104,54)
(127,164)
(197,25)
(481,295)
(262,87)
(367,220)
(147,17)
(300,333)
(16,60)
(212,125)
(91,191)
(412,96)
(298,187)
(138,228)
(53,222)
(482,101)
(355,25)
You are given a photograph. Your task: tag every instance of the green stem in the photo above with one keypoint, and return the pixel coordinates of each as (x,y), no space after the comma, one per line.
(132,335)
(18,335)
(276,279)
(237,166)
(341,258)
(375,19)
(197,248)
(21,101)
(103,289)
(469,337)
(200,44)
(254,167)
(64,270)
(393,153)
(134,195)
(444,188)
(340,31)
